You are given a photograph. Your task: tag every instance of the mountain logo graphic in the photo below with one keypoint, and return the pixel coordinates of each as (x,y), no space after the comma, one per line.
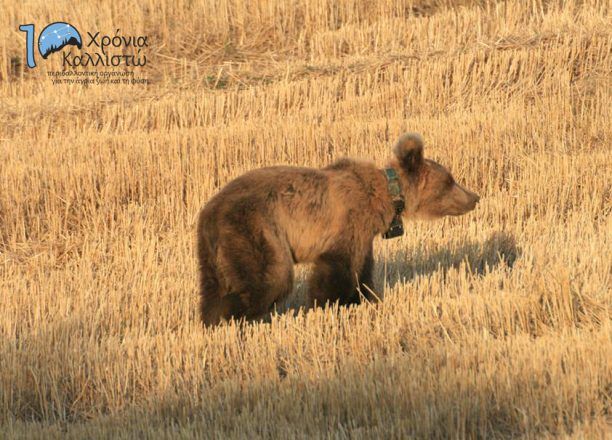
(53,38)
(57,35)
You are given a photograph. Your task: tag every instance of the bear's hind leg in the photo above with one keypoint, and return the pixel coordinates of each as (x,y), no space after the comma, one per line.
(258,270)
(213,306)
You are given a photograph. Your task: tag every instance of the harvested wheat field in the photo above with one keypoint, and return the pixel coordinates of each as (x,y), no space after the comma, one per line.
(492,325)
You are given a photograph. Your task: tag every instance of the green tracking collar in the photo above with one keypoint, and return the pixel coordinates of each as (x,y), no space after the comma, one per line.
(396,228)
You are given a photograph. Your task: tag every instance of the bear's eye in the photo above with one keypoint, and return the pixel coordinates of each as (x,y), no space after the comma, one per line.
(450,181)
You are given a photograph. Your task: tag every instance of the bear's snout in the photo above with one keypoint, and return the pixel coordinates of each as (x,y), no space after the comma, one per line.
(465,200)
(475,198)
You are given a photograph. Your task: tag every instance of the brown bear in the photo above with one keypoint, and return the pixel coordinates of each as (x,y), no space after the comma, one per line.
(259,225)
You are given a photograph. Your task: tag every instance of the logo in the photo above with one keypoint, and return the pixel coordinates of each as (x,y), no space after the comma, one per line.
(123,54)
(53,38)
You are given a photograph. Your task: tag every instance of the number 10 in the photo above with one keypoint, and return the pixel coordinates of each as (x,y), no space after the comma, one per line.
(29,30)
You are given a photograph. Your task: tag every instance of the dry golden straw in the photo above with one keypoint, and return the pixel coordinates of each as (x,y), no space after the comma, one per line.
(494,324)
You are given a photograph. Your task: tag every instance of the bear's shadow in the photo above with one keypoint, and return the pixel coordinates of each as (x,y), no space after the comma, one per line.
(477,257)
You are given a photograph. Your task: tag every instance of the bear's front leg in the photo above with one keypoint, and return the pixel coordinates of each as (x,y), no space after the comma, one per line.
(333,279)
(366,276)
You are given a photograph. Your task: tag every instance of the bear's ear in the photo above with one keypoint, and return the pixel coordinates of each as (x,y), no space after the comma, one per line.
(409,151)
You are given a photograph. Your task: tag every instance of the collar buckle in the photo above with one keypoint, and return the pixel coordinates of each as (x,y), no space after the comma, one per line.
(399,206)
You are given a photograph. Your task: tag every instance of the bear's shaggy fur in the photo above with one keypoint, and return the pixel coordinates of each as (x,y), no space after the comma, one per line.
(259,225)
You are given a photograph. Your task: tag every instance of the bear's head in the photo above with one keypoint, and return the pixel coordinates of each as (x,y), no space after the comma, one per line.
(430,191)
